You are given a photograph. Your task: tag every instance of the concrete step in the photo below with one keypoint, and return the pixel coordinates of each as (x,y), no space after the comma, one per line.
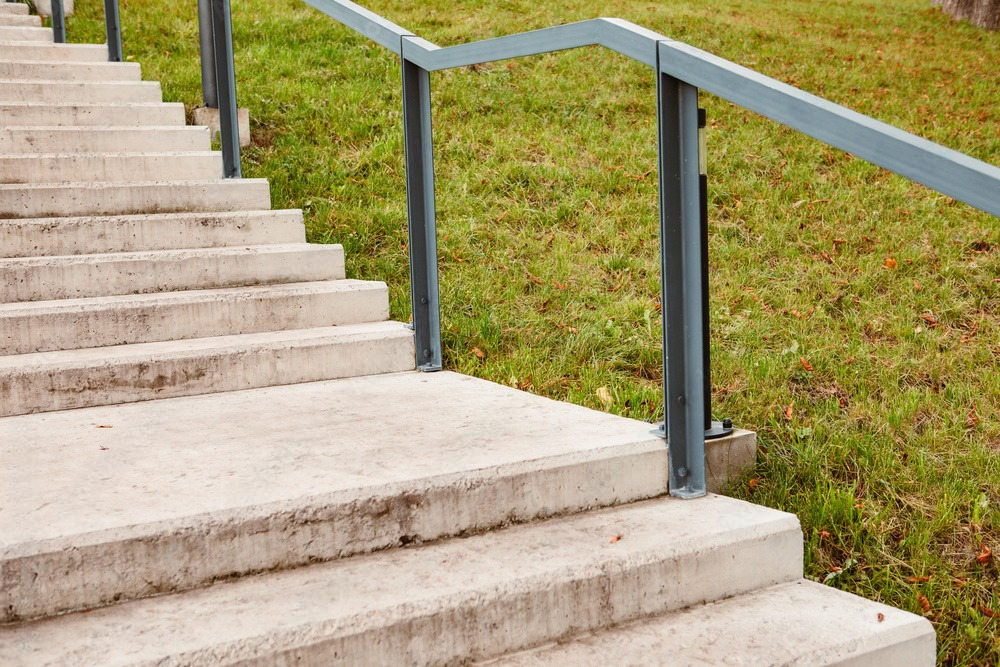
(13,8)
(9,20)
(71,324)
(49,200)
(90,115)
(22,34)
(39,237)
(442,603)
(77,167)
(82,276)
(64,380)
(34,51)
(103,139)
(40,91)
(801,623)
(55,71)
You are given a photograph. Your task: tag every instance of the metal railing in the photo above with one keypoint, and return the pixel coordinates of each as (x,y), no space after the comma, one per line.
(680,70)
(218,78)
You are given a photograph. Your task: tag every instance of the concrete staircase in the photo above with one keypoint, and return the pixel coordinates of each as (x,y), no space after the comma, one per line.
(215,450)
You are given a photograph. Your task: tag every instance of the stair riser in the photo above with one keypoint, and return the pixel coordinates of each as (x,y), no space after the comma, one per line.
(101,140)
(81,236)
(487,626)
(90,115)
(116,199)
(36,51)
(124,322)
(25,34)
(110,275)
(71,71)
(85,236)
(62,92)
(8,20)
(102,382)
(85,168)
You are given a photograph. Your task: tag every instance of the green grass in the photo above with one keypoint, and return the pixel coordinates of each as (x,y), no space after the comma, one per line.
(548,244)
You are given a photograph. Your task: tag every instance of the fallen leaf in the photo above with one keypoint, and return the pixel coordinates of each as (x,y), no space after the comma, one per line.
(881,617)
(604,396)
(925,604)
(502,216)
(826,257)
(479,353)
(103,426)
(806,365)
(890,263)
(985,556)
(615,538)
(824,534)
(753,483)
(972,418)
(789,410)
(930,319)
(574,330)
(918,580)
(985,611)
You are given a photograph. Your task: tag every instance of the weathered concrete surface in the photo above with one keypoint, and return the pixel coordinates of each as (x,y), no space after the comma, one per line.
(23,20)
(91,114)
(35,51)
(98,139)
(71,324)
(68,71)
(80,276)
(13,8)
(76,167)
(44,7)
(800,623)
(65,92)
(49,200)
(36,237)
(209,118)
(463,598)
(20,34)
(68,379)
(298,474)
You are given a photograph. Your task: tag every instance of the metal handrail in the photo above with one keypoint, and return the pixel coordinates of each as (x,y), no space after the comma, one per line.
(680,71)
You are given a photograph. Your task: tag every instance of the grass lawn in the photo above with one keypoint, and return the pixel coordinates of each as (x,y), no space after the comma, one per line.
(855,321)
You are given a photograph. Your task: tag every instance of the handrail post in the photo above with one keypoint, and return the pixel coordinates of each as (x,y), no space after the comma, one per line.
(420,211)
(209,89)
(58,22)
(222,36)
(681,261)
(113,28)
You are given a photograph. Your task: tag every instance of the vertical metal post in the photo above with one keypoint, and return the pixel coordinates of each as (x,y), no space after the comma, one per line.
(58,22)
(420,213)
(209,89)
(113,27)
(681,264)
(222,35)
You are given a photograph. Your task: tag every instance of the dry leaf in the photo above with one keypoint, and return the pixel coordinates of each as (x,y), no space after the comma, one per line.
(753,483)
(890,263)
(985,556)
(479,353)
(824,534)
(826,257)
(918,580)
(881,617)
(925,604)
(806,365)
(789,410)
(930,319)
(103,426)
(574,330)
(972,418)
(615,538)
(604,396)
(985,611)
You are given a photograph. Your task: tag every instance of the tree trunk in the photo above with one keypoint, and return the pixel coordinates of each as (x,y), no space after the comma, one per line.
(984,13)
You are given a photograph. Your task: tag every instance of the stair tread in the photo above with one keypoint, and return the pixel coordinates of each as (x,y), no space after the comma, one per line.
(478,596)
(104,154)
(178,254)
(800,623)
(104,185)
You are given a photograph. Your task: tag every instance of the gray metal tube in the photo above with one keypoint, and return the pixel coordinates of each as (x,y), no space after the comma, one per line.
(222,34)
(113,28)
(209,89)
(58,22)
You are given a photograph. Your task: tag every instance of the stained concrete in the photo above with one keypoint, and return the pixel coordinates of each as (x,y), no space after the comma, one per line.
(79,276)
(459,599)
(20,34)
(62,92)
(38,237)
(800,623)
(133,166)
(91,114)
(98,139)
(68,71)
